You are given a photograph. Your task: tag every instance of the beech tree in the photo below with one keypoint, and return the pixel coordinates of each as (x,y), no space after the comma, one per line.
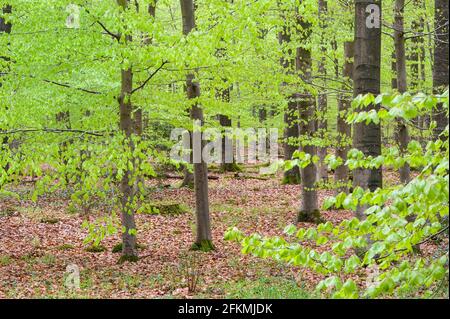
(366,79)
(344,129)
(401,82)
(4,27)
(291,114)
(309,211)
(204,237)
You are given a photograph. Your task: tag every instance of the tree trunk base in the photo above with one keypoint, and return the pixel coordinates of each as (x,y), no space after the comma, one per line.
(128,258)
(204,245)
(188,181)
(310,217)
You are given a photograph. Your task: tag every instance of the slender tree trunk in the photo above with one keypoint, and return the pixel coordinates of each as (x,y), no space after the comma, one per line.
(343,128)
(440,69)
(291,144)
(309,211)
(226,164)
(4,28)
(63,118)
(127,126)
(366,79)
(291,118)
(323,98)
(400,60)
(204,236)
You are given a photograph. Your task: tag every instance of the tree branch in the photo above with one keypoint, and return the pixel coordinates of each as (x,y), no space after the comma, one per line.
(71,87)
(149,78)
(50,130)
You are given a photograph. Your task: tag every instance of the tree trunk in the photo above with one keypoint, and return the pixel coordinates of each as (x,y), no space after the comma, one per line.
(366,79)
(440,69)
(291,144)
(226,164)
(400,60)
(323,98)
(127,126)
(344,129)
(204,237)
(309,211)
(291,117)
(6,28)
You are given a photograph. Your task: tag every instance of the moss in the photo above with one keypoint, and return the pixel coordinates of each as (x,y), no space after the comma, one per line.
(230,167)
(95,249)
(49,220)
(5,260)
(118,248)
(310,217)
(291,180)
(172,209)
(204,245)
(65,247)
(127,258)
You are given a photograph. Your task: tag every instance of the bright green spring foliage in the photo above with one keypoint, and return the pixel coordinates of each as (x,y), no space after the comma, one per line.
(399,218)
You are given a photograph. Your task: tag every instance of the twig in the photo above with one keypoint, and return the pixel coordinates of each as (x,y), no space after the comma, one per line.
(149,78)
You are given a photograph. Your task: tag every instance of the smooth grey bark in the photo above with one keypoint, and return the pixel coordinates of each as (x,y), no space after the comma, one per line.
(322,126)
(366,79)
(5,28)
(309,211)
(440,68)
(344,129)
(403,137)
(204,237)
(127,126)
(291,117)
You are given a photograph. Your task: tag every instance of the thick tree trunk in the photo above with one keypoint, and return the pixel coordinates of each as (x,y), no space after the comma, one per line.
(366,79)
(400,60)
(309,211)
(440,69)
(323,98)
(291,119)
(344,129)
(129,251)
(204,236)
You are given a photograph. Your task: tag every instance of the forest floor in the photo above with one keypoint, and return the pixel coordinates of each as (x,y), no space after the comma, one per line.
(38,241)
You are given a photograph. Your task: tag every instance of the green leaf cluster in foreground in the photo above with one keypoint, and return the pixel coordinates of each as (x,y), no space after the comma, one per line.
(398,220)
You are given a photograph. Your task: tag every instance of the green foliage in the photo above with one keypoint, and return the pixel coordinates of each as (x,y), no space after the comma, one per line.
(204,246)
(398,218)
